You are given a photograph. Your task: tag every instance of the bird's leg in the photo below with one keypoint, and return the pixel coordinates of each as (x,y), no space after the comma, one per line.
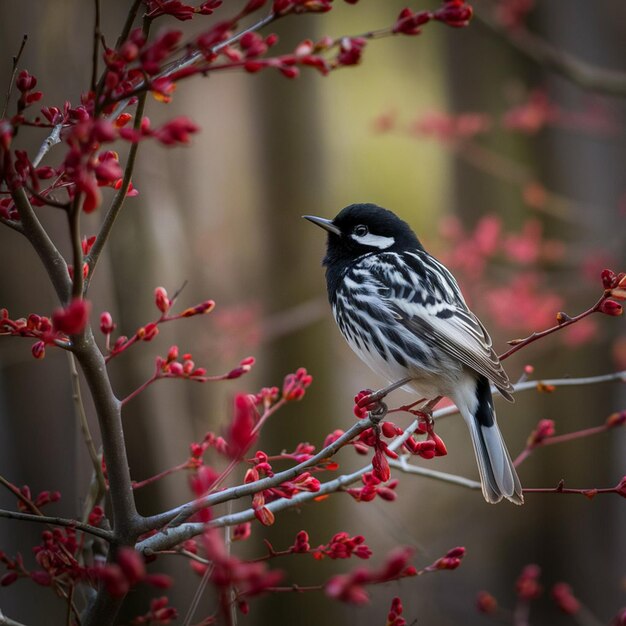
(426,412)
(372,400)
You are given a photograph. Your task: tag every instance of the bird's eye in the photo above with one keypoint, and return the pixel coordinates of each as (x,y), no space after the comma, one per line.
(361,231)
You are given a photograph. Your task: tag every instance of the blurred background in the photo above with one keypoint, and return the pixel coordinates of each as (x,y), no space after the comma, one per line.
(508,171)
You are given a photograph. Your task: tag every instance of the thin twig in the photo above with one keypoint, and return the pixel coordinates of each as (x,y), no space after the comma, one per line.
(118,200)
(96,47)
(16,60)
(585,75)
(408,468)
(518,344)
(58,521)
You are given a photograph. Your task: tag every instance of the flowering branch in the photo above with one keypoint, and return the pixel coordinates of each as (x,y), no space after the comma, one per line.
(174,534)
(614,287)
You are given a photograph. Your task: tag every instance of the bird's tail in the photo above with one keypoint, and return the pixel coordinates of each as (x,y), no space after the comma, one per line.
(498,477)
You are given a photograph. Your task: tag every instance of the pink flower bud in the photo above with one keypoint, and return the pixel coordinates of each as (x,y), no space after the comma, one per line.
(25,81)
(199,309)
(264,515)
(163,303)
(608,278)
(106,323)
(610,307)
(39,349)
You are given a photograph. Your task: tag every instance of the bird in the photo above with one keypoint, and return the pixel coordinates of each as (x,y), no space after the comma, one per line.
(403,314)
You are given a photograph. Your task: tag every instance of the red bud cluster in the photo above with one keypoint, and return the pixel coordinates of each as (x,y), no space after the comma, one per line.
(455,13)
(48,332)
(295,385)
(544,430)
(351,587)
(372,487)
(342,546)
(614,287)
(394,617)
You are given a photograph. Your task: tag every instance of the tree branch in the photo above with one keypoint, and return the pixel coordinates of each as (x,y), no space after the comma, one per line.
(52,260)
(172,536)
(84,427)
(108,410)
(16,60)
(7,621)
(583,74)
(58,521)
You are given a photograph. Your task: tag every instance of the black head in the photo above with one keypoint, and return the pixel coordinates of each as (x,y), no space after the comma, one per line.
(363,228)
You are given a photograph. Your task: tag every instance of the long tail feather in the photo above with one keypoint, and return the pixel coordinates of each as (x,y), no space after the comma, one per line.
(497,473)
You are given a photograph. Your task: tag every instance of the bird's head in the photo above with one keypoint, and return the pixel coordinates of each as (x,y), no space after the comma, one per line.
(363,228)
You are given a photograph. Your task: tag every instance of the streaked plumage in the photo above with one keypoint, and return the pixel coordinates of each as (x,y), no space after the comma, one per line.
(403,314)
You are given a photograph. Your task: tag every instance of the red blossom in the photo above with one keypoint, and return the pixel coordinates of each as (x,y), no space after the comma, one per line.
(72,319)
(240,434)
(610,307)
(544,429)
(301,544)
(394,617)
(295,385)
(106,323)
(351,587)
(455,13)
(176,131)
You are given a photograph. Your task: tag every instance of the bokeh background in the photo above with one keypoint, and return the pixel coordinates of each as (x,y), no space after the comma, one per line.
(523,195)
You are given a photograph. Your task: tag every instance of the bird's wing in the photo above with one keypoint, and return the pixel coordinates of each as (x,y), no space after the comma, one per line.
(425,298)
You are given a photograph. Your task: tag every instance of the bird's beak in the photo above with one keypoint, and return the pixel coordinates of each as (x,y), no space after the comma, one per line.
(324,223)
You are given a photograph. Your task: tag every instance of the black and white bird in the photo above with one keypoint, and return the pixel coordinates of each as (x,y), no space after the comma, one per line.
(404,315)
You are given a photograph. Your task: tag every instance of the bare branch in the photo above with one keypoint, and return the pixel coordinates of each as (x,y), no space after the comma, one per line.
(16,60)
(7,621)
(403,465)
(84,427)
(96,47)
(58,521)
(51,140)
(583,74)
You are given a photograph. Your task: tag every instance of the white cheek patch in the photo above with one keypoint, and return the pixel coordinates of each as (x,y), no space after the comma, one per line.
(376,241)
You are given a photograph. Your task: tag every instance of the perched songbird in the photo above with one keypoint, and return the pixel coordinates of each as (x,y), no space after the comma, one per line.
(403,313)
